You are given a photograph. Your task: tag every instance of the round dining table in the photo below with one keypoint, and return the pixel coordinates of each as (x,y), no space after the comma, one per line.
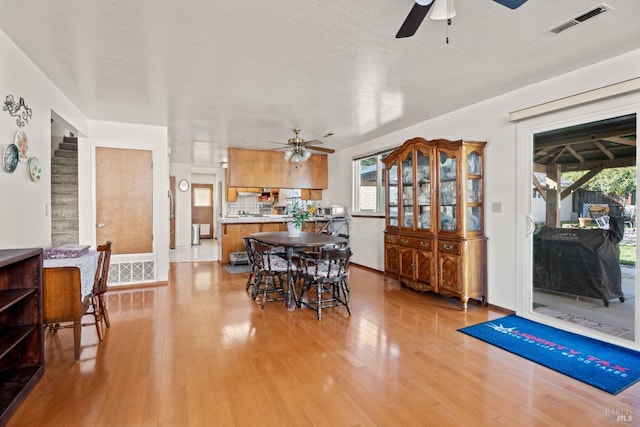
(290,243)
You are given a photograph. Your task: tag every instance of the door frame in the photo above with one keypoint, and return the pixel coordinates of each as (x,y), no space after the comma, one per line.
(628,104)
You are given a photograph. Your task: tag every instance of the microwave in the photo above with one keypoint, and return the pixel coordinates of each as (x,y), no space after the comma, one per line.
(337,210)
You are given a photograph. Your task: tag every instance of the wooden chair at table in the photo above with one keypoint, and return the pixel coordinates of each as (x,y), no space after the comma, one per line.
(271,273)
(252,263)
(327,270)
(100,287)
(62,301)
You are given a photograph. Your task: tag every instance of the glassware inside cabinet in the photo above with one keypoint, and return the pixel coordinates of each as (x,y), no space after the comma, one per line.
(474,189)
(424,219)
(447,218)
(474,218)
(474,164)
(423,172)
(448,169)
(408,191)
(407,206)
(393,195)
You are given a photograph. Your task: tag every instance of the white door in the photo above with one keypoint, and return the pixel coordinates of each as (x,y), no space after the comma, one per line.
(566,309)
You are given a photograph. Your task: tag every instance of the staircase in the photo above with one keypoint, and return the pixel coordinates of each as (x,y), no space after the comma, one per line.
(64,193)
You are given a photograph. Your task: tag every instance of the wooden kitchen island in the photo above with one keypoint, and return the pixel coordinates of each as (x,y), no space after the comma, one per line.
(234,228)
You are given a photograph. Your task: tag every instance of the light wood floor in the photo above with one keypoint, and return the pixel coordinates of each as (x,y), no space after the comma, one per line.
(200,352)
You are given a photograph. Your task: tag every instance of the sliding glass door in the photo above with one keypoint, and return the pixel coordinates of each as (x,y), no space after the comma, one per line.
(577,180)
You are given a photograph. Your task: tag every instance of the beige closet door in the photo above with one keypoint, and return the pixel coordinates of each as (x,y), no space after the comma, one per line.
(124,199)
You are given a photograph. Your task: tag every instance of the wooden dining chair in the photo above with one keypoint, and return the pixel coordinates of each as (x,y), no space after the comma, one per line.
(327,271)
(252,262)
(63,306)
(98,306)
(271,273)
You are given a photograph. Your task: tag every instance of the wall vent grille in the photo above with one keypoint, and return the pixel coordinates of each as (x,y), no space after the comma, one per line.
(129,271)
(599,10)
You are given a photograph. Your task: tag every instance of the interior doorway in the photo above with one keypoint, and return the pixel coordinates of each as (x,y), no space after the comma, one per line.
(202,208)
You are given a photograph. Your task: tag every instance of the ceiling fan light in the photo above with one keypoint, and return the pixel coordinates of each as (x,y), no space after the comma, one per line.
(442,10)
(288,153)
(305,155)
(424,2)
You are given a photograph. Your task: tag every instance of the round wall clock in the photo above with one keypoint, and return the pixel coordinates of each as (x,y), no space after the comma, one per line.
(183,185)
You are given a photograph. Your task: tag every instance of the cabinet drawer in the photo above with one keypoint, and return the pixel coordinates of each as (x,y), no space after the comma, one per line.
(407,241)
(426,245)
(390,238)
(449,247)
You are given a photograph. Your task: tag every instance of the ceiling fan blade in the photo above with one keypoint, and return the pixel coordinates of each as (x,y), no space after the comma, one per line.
(413,20)
(312,142)
(511,4)
(324,150)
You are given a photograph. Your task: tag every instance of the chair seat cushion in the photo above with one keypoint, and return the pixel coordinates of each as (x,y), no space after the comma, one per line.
(277,263)
(323,270)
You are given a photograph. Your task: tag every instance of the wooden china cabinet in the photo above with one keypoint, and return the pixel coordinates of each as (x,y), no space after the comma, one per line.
(434,236)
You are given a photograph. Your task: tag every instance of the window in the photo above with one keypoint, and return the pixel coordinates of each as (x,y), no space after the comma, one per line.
(202,197)
(369,184)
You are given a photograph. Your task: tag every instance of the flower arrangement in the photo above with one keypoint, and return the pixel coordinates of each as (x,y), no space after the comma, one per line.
(300,215)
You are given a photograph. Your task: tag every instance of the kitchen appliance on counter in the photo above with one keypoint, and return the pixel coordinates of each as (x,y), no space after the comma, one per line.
(337,210)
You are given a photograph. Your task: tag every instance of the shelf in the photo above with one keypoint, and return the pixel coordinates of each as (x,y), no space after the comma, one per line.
(15,384)
(11,296)
(11,336)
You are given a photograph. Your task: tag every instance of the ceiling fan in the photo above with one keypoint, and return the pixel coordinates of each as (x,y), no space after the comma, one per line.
(442,9)
(298,149)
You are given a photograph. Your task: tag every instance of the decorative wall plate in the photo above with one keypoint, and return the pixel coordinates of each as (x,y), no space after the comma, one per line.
(10,158)
(35,170)
(22,142)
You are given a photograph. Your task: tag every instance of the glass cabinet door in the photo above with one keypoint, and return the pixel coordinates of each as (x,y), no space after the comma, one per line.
(392,197)
(407,192)
(423,181)
(448,187)
(474,191)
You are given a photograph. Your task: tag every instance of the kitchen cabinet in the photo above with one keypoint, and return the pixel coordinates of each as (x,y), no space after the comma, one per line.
(21,327)
(260,168)
(310,194)
(232,234)
(233,192)
(434,229)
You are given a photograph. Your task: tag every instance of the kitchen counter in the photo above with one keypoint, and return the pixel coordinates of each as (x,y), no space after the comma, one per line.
(235,227)
(250,219)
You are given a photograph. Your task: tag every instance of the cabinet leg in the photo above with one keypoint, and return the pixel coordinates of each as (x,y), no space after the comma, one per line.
(465,303)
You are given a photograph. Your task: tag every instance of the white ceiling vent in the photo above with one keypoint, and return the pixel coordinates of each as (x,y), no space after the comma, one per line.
(599,10)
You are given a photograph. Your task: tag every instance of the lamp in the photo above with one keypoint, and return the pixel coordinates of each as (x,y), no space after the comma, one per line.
(442,10)
(424,2)
(288,153)
(297,154)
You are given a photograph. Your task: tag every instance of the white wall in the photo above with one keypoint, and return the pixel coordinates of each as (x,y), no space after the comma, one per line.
(124,135)
(25,212)
(488,121)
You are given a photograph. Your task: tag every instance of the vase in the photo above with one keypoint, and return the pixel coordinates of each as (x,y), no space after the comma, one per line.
(293,229)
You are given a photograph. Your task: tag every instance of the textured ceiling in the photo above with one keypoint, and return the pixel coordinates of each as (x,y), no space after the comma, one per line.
(222,73)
